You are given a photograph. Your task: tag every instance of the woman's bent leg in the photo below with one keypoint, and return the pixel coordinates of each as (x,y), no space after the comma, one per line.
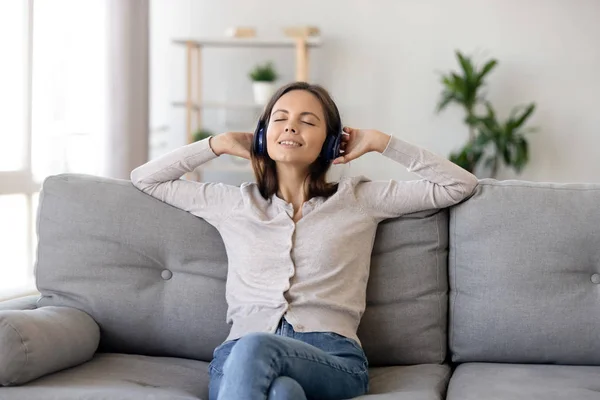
(258,359)
(285,388)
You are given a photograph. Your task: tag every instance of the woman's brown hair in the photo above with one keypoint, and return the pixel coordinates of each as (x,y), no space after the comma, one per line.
(264,167)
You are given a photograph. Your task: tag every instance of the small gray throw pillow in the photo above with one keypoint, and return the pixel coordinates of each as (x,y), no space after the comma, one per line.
(34,343)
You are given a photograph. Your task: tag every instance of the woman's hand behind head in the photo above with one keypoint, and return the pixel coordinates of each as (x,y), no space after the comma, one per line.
(356,142)
(233,143)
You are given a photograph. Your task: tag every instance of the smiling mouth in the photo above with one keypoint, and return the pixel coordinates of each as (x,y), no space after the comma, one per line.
(289,143)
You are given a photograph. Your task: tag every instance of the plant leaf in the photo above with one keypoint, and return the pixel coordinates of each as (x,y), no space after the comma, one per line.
(522,154)
(447,82)
(506,155)
(469,79)
(526,114)
(490,110)
(461,160)
(466,64)
(482,140)
(487,68)
(447,98)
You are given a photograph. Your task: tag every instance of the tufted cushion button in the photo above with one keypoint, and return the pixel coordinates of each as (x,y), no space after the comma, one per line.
(166,274)
(596,278)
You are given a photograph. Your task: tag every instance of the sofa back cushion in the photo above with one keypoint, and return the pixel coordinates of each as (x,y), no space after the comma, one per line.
(149,274)
(405,321)
(525,274)
(153,276)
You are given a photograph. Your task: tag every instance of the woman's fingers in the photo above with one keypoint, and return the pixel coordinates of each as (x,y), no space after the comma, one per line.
(339,160)
(345,146)
(343,159)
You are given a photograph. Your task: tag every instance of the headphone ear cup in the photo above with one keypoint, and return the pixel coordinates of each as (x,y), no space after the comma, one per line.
(337,144)
(260,143)
(331,147)
(325,148)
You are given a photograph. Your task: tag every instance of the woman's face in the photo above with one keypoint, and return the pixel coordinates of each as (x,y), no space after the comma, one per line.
(297,129)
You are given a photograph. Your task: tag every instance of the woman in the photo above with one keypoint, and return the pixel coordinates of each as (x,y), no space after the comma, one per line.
(298,247)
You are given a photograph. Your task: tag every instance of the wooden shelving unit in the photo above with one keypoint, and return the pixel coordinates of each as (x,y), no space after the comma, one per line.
(194,104)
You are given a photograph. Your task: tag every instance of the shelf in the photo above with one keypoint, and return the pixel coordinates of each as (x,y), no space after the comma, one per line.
(194,104)
(233,106)
(248,42)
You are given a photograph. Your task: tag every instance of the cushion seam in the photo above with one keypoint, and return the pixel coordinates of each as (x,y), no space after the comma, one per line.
(41,206)
(437,275)
(26,353)
(455,292)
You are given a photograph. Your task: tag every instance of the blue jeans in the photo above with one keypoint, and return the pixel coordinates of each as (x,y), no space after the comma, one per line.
(288,365)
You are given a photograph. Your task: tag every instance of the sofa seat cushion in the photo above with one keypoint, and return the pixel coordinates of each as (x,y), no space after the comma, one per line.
(120,377)
(414,382)
(490,381)
(129,377)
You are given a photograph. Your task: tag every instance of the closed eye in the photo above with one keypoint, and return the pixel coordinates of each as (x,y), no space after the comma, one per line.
(308,123)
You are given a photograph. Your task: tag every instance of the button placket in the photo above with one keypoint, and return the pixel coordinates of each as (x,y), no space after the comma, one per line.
(292,266)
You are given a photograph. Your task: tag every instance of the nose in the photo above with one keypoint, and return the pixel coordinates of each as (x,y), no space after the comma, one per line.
(290,128)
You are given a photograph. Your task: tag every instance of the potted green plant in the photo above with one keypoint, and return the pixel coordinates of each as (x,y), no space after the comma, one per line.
(491,142)
(506,139)
(201,134)
(263,78)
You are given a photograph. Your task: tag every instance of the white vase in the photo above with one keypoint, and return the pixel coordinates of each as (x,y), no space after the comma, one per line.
(263,92)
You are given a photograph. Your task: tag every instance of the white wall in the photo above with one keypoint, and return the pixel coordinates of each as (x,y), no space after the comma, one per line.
(380,60)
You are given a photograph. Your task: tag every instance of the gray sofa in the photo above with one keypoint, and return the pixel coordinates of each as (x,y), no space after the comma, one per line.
(495,298)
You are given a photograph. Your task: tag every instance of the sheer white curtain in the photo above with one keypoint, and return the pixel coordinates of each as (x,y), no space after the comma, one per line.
(75,99)
(16,186)
(90,86)
(69,79)
(127,97)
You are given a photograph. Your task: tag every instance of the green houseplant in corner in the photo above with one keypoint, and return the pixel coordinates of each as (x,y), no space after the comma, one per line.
(263,78)
(491,141)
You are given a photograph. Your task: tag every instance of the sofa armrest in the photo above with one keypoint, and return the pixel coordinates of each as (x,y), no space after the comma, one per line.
(21,303)
(34,343)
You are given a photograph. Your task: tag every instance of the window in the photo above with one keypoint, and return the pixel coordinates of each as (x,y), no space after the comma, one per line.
(68,86)
(52,94)
(16,185)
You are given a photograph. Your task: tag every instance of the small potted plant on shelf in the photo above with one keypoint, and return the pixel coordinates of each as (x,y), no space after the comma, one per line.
(201,134)
(263,78)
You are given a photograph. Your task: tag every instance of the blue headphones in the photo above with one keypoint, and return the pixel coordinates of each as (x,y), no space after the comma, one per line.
(330,150)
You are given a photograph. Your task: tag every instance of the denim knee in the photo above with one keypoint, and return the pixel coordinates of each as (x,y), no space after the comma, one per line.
(248,349)
(286,388)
